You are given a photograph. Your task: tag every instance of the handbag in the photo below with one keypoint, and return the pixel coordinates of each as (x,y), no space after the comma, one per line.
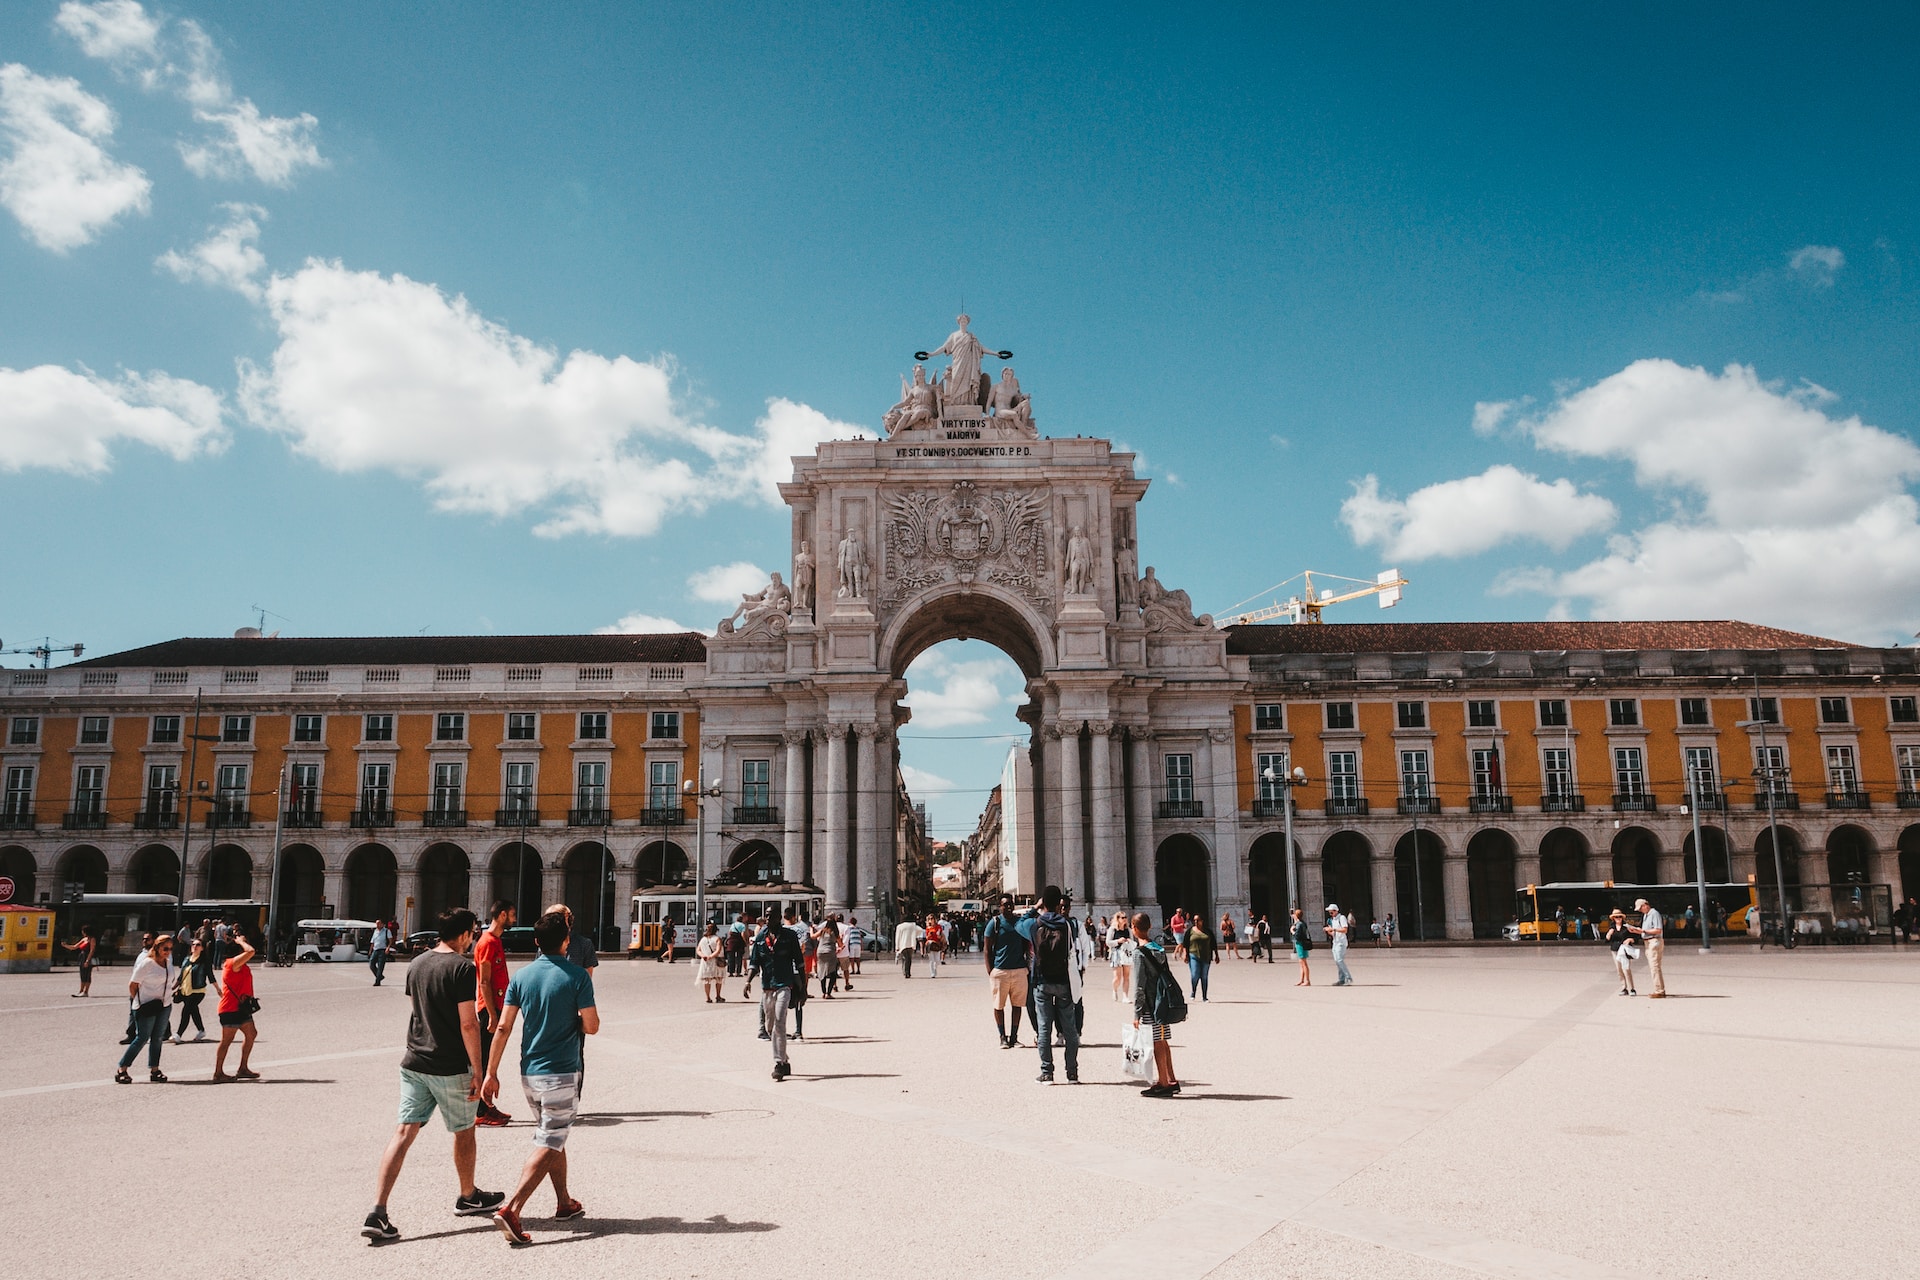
(1630,950)
(1136,1052)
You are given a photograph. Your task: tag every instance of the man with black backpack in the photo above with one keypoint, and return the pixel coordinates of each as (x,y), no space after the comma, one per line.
(1008,954)
(1157,1005)
(1055,979)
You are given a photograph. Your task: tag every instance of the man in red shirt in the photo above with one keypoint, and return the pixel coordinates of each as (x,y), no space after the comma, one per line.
(490,993)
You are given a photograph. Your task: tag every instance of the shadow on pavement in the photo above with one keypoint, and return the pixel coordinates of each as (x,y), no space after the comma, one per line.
(596,1119)
(850,1075)
(589,1227)
(263,1080)
(847,1040)
(1231,1097)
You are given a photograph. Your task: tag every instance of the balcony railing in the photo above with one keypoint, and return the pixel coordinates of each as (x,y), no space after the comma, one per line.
(1180,809)
(1907,799)
(1269,809)
(372,816)
(1711,801)
(1563,802)
(1634,802)
(17,820)
(84,820)
(1490,802)
(756,815)
(444,817)
(229,817)
(674,817)
(301,818)
(1347,807)
(592,816)
(517,816)
(1849,800)
(1781,800)
(1418,804)
(156,819)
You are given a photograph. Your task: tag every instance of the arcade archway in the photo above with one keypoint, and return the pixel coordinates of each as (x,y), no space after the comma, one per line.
(1636,856)
(1719,863)
(1910,863)
(1849,856)
(1347,877)
(662,862)
(303,885)
(1182,877)
(1490,881)
(588,891)
(1267,880)
(514,877)
(1563,857)
(754,862)
(1789,861)
(1420,870)
(154,869)
(85,866)
(373,881)
(444,871)
(230,873)
(17,865)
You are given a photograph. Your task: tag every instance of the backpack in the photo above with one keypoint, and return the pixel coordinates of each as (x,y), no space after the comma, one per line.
(1169,1002)
(1052,952)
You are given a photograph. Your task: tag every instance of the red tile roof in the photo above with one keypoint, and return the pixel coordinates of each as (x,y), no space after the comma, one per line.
(322,651)
(1483,637)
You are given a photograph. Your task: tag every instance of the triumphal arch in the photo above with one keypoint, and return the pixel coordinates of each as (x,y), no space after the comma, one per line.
(964,521)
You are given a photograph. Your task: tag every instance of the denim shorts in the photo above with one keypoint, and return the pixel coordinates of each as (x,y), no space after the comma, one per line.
(554,1100)
(420,1094)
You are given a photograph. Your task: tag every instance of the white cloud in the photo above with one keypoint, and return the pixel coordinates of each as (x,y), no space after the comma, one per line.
(1816,264)
(65,421)
(1489,414)
(1783,513)
(1467,516)
(642,624)
(724,584)
(56,177)
(922,783)
(945,692)
(385,373)
(178,57)
(227,258)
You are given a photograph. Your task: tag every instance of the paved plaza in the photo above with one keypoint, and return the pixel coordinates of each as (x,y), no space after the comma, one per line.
(1460,1112)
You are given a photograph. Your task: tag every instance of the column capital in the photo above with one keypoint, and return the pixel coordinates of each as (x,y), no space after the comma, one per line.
(867,732)
(795,737)
(1220,736)
(1100,728)
(712,742)
(1141,733)
(837,732)
(1064,728)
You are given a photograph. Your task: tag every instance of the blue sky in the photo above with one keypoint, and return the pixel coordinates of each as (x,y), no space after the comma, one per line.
(1616,308)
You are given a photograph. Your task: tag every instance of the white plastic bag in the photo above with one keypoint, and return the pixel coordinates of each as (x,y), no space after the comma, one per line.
(1136,1050)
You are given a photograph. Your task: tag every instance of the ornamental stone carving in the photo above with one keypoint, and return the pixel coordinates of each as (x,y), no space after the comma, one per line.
(837,732)
(966,534)
(795,737)
(712,742)
(852,563)
(763,612)
(1165,610)
(803,577)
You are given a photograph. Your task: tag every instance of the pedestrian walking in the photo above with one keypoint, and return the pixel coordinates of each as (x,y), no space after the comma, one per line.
(1652,930)
(1392,927)
(1337,926)
(856,943)
(1008,955)
(935,943)
(1302,939)
(1753,926)
(196,975)
(1055,979)
(707,969)
(1119,954)
(1157,1005)
(1619,939)
(490,993)
(88,948)
(1228,938)
(826,963)
(1263,940)
(553,999)
(1179,926)
(776,959)
(441,1070)
(1200,952)
(237,1007)
(377,949)
(907,937)
(736,945)
(150,989)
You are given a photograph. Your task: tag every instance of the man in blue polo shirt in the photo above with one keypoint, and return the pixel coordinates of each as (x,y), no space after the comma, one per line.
(1007,953)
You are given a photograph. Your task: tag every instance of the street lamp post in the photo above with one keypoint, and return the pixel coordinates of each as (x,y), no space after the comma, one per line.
(1765,774)
(1699,857)
(273,875)
(1419,889)
(1287,779)
(700,793)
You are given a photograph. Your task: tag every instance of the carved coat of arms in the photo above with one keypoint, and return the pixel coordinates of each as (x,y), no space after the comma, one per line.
(966,534)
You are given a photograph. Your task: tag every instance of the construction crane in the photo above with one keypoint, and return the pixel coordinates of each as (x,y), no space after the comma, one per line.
(46,649)
(1309,604)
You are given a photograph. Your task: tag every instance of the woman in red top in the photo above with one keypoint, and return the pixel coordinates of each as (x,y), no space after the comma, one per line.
(236,1009)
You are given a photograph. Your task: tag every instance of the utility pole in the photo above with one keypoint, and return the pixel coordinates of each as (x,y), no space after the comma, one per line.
(273,878)
(1766,775)
(1699,857)
(186,808)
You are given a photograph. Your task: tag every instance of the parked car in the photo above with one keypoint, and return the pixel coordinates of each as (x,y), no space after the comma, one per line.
(418,942)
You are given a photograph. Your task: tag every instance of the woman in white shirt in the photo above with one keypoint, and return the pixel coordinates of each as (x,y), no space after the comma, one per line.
(708,970)
(150,987)
(1120,955)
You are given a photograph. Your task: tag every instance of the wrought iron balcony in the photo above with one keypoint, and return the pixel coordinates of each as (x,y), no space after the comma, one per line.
(590,817)
(1490,802)
(673,817)
(84,820)
(1269,809)
(1418,804)
(517,816)
(380,816)
(224,817)
(1908,799)
(156,819)
(756,815)
(1849,800)
(444,817)
(1634,802)
(1180,809)
(1563,802)
(1781,800)
(301,818)
(17,820)
(1347,807)
(1711,802)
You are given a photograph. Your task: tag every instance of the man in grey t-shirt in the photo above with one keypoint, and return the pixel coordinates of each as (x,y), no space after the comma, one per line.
(1653,930)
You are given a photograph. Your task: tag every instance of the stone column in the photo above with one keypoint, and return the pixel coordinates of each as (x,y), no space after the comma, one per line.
(1229,890)
(1140,796)
(1071,866)
(867,788)
(1459,907)
(830,862)
(1386,888)
(1526,867)
(1109,852)
(406,885)
(794,818)
(335,878)
(1313,897)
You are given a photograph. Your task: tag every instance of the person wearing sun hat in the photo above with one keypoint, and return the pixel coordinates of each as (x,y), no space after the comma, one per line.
(1620,939)
(1337,925)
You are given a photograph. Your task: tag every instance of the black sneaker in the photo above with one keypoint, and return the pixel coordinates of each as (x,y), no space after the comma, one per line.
(1045,1077)
(379,1227)
(478,1203)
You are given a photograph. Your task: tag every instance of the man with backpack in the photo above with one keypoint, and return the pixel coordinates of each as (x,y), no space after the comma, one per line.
(1008,954)
(1157,1005)
(1055,978)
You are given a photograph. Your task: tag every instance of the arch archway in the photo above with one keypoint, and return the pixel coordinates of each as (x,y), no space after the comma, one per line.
(1346,871)
(1267,880)
(444,869)
(588,891)
(1490,881)
(1563,857)
(303,885)
(1182,877)
(1849,855)
(17,865)
(969,611)
(373,881)
(1636,856)
(514,876)
(1763,860)
(1910,863)
(661,862)
(85,866)
(230,873)
(755,862)
(154,868)
(1719,862)
(1421,885)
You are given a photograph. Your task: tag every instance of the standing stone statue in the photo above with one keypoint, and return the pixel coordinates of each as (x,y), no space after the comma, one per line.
(803,578)
(961,385)
(852,563)
(1079,563)
(1125,575)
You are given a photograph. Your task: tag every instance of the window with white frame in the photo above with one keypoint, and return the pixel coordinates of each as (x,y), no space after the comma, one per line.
(1270,771)
(1487,782)
(520,786)
(1843,775)
(1623,713)
(590,789)
(1483,713)
(447,788)
(1695,711)
(1835,711)
(1557,772)
(376,787)
(663,783)
(379,728)
(1771,763)
(1629,771)
(94,731)
(522,726)
(1553,713)
(1703,770)
(309,728)
(593,726)
(163,791)
(664,725)
(236,729)
(1340,715)
(230,786)
(1765,710)
(1179,769)
(1411,715)
(303,790)
(756,784)
(1908,759)
(90,790)
(1416,775)
(450,726)
(1269,716)
(17,801)
(24,731)
(165,729)
(1904,710)
(1343,775)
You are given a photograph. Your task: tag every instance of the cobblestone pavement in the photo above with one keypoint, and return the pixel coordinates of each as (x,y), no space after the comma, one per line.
(1470,1111)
